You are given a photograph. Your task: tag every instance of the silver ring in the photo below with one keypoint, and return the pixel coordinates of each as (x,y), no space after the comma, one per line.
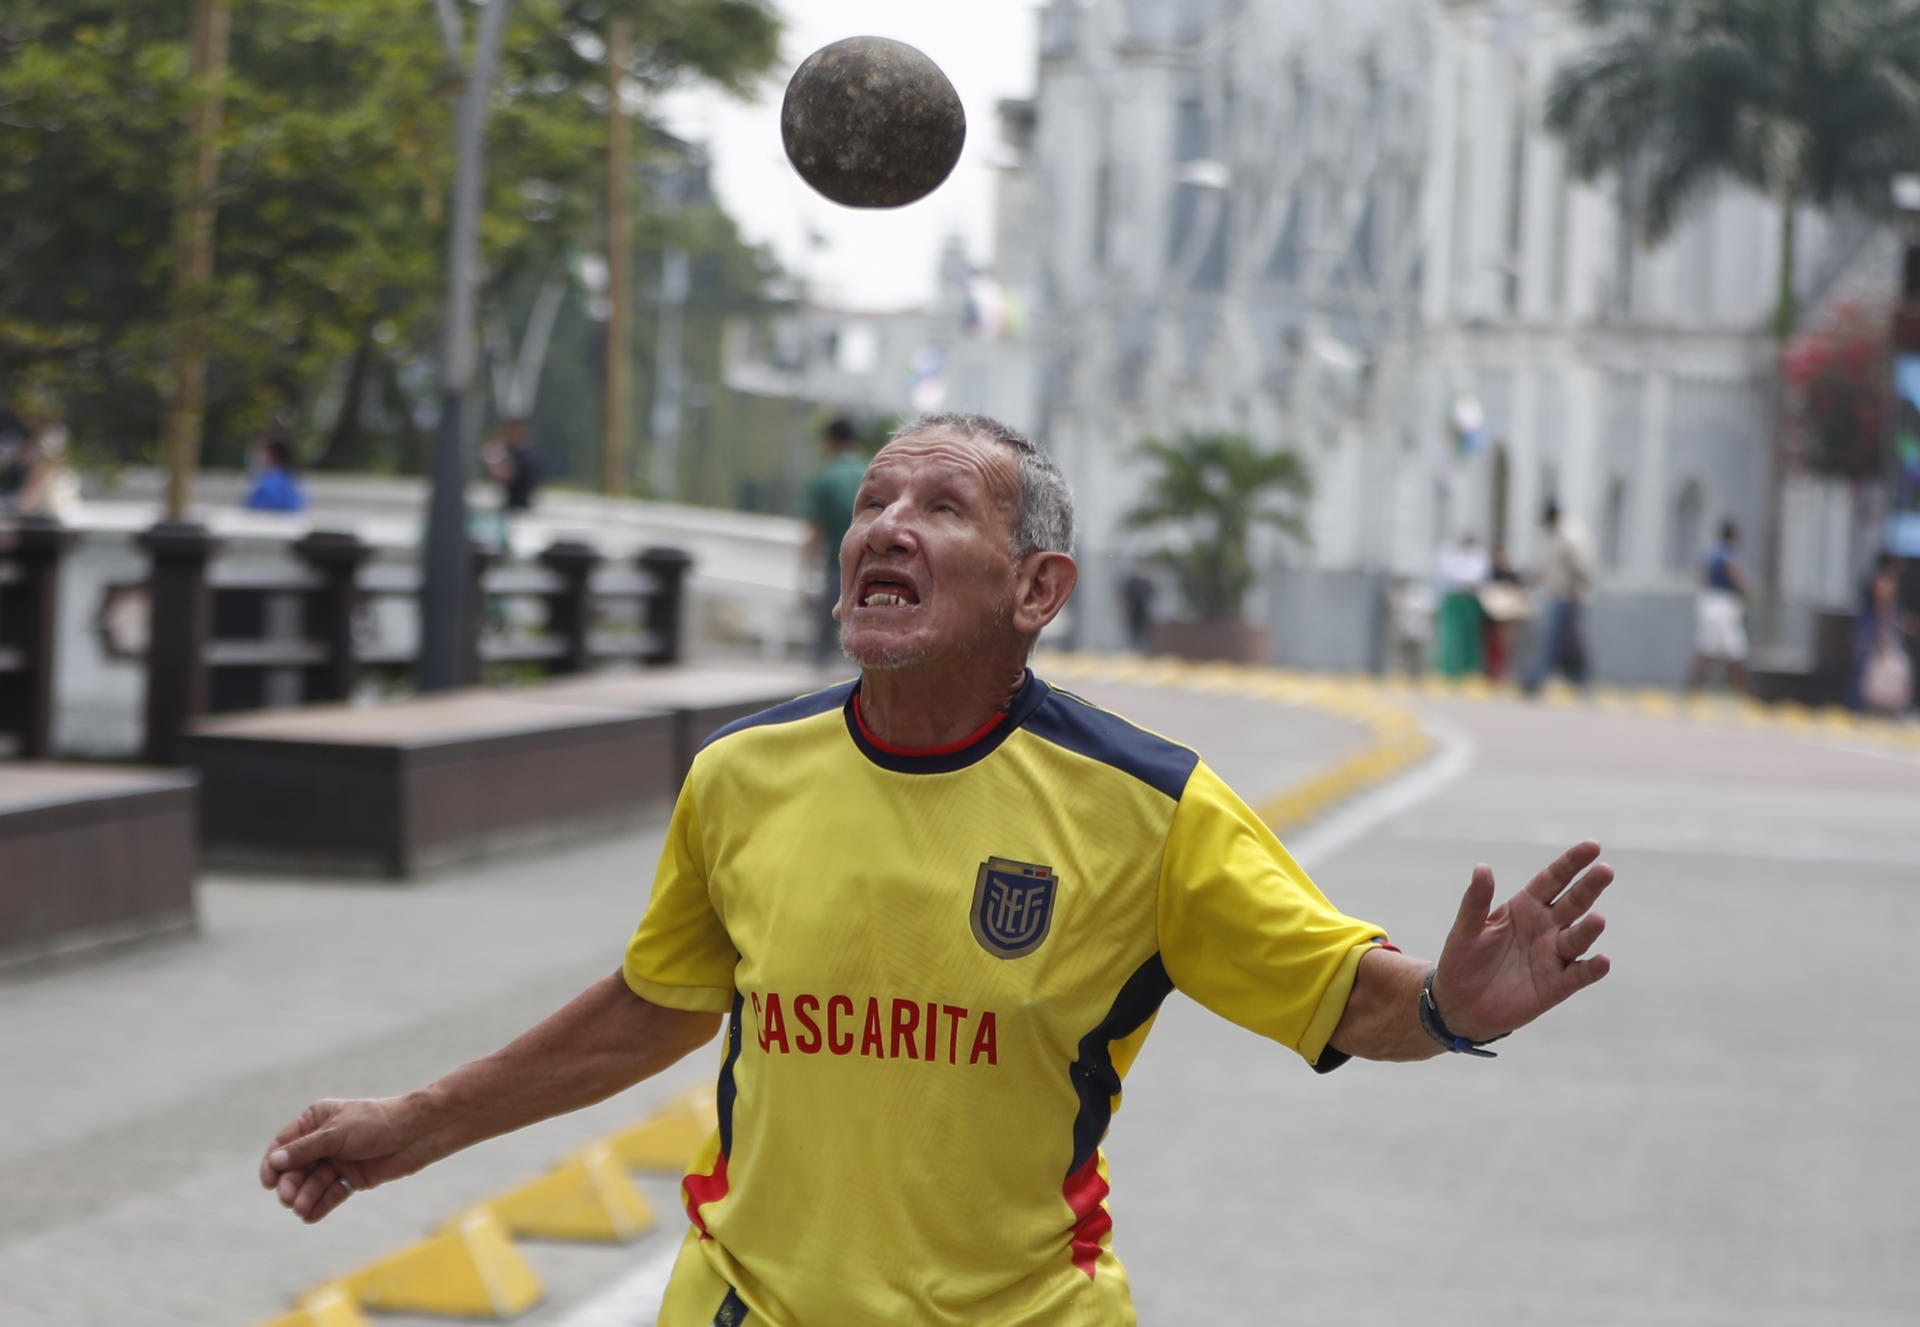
(346,1183)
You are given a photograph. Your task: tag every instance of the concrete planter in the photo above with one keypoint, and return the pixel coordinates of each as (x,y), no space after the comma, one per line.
(1224,642)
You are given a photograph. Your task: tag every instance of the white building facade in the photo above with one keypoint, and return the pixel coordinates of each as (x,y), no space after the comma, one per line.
(1342,228)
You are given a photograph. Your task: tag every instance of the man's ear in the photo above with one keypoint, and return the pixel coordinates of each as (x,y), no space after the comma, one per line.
(1041,592)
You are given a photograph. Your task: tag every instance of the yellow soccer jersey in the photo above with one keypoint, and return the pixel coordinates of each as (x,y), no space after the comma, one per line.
(937,968)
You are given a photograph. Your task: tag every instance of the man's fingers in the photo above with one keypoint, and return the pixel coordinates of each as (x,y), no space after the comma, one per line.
(318,1181)
(1581,893)
(1547,885)
(306,1149)
(335,1194)
(1472,917)
(1578,938)
(1583,974)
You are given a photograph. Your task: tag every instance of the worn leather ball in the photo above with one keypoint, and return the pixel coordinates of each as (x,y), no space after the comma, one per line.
(872,122)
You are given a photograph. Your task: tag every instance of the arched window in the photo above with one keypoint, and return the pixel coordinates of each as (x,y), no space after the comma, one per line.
(1683,531)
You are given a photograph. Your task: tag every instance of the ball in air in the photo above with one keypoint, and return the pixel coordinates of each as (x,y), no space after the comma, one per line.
(872,122)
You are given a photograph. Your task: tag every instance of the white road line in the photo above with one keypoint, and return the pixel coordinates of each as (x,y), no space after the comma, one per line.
(1359,817)
(1801,848)
(633,1300)
(1878,752)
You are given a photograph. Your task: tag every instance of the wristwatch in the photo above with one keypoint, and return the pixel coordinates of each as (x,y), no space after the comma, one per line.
(1437,1027)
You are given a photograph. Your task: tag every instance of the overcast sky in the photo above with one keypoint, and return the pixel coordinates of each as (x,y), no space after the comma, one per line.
(872,259)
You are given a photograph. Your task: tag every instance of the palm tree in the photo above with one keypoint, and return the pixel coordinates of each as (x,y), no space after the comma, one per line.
(1218,486)
(1807,101)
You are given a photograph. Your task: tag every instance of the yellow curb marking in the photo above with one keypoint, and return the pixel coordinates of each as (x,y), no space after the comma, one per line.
(470,1268)
(329,1306)
(588,1197)
(668,1141)
(1346,693)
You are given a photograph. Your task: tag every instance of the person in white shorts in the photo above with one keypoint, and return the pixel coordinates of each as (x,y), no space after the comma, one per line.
(1719,615)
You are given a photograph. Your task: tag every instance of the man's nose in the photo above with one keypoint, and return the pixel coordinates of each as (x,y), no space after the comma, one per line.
(893,528)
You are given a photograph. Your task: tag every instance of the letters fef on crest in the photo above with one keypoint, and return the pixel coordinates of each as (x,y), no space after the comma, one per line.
(1012,906)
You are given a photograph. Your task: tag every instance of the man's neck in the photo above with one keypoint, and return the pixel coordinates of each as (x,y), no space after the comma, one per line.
(918,708)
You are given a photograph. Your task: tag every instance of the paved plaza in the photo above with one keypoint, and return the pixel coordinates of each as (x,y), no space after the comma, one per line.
(1724,1131)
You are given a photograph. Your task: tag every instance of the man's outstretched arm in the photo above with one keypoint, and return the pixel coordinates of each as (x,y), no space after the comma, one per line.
(605,1040)
(1499,970)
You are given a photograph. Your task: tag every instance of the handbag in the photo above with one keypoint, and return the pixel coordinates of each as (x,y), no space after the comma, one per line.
(1887,683)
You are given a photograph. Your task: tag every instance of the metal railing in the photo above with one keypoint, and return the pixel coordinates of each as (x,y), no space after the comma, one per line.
(220,639)
(30,552)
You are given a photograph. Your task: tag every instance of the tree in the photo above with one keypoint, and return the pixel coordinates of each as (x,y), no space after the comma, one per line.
(1807,101)
(336,161)
(1217,487)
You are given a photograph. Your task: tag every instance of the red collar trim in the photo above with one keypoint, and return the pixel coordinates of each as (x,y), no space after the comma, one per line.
(946,750)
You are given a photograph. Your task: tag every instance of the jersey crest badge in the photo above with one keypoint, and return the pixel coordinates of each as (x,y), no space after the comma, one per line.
(1012,906)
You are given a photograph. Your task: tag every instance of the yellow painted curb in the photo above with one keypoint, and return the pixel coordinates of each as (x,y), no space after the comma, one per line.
(669,1140)
(470,1269)
(1351,695)
(587,1197)
(329,1306)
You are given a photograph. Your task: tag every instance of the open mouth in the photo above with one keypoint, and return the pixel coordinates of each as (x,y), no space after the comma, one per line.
(886,590)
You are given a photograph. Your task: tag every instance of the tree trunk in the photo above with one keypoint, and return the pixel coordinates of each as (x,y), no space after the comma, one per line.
(343,450)
(617,418)
(1786,314)
(193,259)
(1786,310)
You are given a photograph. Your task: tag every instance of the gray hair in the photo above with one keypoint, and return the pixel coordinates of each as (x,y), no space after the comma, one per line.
(1044,521)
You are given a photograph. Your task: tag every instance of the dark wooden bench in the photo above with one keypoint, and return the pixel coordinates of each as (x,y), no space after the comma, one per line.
(702,700)
(404,789)
(408,788)
(91,857)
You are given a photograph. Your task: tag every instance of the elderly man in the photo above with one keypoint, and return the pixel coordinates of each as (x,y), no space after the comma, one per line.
(937,910)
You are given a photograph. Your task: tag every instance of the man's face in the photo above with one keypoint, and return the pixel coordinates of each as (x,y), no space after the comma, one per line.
(927,567)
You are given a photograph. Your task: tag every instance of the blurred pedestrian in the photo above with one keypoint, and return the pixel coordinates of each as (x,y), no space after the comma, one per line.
(1883,669)
(17,456)
(1136,598)
(1503,602)
(513,464)
(829,511)
(1719,615)
(1565,581)
(51,487)
(1410,613)
(1459,572)
(276,486)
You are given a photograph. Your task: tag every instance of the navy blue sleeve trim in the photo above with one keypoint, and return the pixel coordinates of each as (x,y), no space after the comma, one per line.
(805,707)
(1068,721)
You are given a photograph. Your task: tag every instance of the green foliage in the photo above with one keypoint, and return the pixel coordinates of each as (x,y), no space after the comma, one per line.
(1217,487)
(336,164)
(1805,100)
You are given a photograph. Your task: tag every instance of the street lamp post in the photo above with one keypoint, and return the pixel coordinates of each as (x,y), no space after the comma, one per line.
(446,609)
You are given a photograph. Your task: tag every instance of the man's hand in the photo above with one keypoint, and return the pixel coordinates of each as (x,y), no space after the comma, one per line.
(1502,969)
(604,1041)
(363,1142)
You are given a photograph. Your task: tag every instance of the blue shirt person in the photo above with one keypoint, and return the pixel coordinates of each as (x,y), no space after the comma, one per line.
(275,486)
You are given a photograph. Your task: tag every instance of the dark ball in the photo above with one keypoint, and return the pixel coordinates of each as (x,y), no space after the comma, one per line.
(871,122)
